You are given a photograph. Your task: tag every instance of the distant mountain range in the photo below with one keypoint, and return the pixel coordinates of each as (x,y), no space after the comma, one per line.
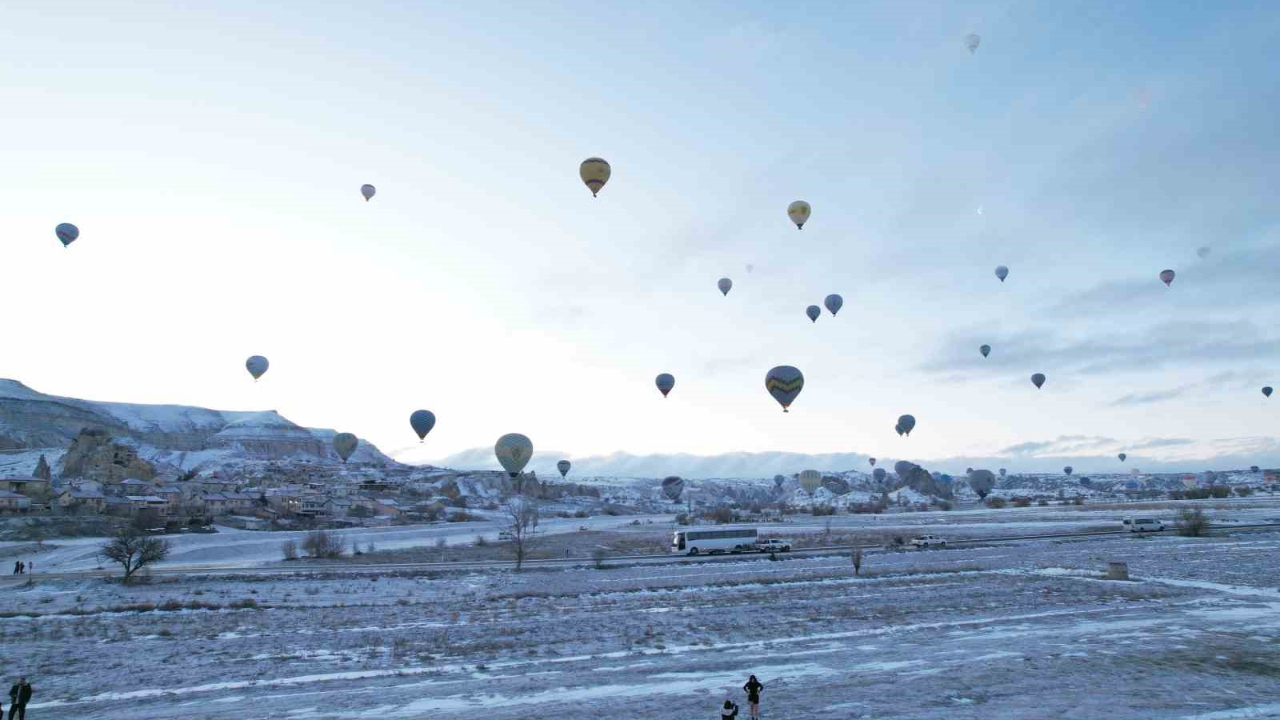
(177,436)
(767,464)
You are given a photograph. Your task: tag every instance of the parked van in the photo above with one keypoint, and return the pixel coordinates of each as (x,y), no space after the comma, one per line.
(1143,524)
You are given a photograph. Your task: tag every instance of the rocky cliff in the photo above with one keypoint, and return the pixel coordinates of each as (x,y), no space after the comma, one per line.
(175,435)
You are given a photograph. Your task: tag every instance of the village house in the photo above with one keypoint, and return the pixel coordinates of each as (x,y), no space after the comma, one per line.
(337,507)
(13,502)
(138,503)
(387,507)
(312,505)
(240,502)
(215,504)
(24,485)
(172,498)
(85,498)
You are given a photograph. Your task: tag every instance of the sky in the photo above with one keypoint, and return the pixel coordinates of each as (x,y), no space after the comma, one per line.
(212,157)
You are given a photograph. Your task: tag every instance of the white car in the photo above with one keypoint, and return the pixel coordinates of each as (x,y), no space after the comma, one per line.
(925,541)
(774,545)
(1143,524)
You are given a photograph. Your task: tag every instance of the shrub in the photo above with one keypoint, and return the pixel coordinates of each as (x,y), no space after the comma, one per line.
(598,557)
(996,502)
(1077,500)
(580,513)
(1220,491)
(1021,502)
(324,544)
(1042,502)
(682,519)
(1191,523)
(1243,491)
(823,510)
(289,549)
(722,516)
(481,541)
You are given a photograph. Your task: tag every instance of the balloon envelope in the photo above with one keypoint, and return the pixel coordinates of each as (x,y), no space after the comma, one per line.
(563,466)
(672,487)
(257,366)
(810,480)
(799,211)
(872,461)
(1167,276)
(513,451)
(784,383)
(725,285)
(1002,472)
(1203,252)
(1038,379)
(1122,457)
(595,172)
(971,41)
(902,467)
(665,382)
(879,474)
(985,350)
(345,444)
(1067,470)
(834,303)
(813,312)
(1002,272)
(750,267)
(422,421)
(368,191)
(1267,391)
(907,423)
(67,233)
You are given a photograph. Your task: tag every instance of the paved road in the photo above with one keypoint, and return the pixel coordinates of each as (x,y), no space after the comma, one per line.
(372,568)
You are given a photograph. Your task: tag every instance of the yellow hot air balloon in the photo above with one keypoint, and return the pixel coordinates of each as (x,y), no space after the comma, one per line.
(595,173)
(810,480)
(799,211)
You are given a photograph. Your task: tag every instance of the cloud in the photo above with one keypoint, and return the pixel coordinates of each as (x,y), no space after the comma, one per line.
(1149,398)
(1159,443)
(1063,444)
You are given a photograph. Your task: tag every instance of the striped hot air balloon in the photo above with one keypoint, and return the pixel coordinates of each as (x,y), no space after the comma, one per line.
(595,172)
(784,383)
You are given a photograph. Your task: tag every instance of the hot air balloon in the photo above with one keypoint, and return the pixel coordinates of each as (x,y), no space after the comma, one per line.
(968,470)
(513,451)
(778,481)
(368,191)
(257,366)
(898,429)
(971,41)
(1203,252)
(879,474)
(563,466)
(1037,379)
(799,211)
(834,303)
(1122,457)
(1066,470)
(872,461)
(1002,272)
(810,480)
(422,421)
(982,482)
(1267,391)
(1167,277)
(595,173)
(813,312)
(985,350)
(1003,472)
(902,467)
(665,382)
(750,267)
(672,487)
(725,285)
(67,233)
(907,423)
(784,383)
(345,444)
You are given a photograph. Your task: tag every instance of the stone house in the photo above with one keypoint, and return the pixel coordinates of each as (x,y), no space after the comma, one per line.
(13,502)
(81,497)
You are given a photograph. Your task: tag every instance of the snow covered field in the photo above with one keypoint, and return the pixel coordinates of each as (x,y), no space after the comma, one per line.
(1022,630)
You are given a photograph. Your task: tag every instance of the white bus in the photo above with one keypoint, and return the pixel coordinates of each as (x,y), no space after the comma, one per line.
(694,542)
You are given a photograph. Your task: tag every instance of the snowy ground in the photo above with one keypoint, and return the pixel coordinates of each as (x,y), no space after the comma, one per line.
(1018,630)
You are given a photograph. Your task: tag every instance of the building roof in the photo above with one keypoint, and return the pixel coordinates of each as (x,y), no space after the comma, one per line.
(6,494)
(83,493)
(144,498)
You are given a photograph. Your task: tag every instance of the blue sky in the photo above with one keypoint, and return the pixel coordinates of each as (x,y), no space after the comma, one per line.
(212,157)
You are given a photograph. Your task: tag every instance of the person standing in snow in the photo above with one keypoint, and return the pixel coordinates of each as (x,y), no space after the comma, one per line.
(19,696)
(17,566)
(753,688)
(729,711)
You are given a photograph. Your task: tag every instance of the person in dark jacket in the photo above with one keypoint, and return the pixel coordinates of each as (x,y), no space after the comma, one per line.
(19,696)
(729,711)
(753,688)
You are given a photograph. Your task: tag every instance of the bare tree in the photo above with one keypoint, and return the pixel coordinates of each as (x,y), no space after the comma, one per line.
(520,518)
(133,550)
(289,549)
(324,544)
(1192,523)
(856,556)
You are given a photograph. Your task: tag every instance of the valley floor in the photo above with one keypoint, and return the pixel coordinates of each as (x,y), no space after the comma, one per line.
(1013,631)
